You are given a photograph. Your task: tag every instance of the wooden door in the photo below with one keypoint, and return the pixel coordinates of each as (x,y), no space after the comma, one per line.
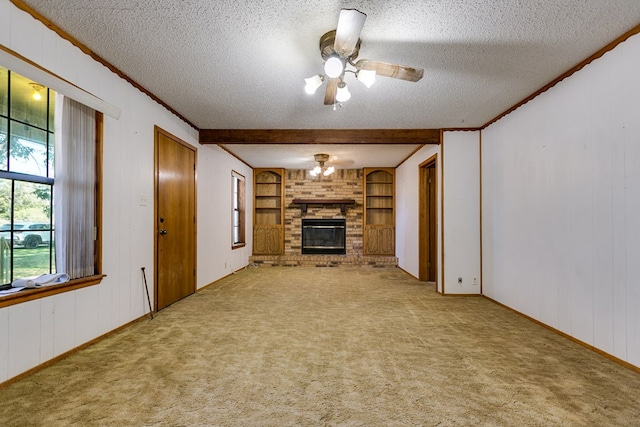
(175,219)
(428,238)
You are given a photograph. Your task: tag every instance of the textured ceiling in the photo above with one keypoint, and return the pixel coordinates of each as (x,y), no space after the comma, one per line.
(230,64)
(341,156)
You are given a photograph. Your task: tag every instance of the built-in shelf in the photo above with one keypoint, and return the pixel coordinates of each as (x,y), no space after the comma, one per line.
(379,212)
(342,202)
(268,216)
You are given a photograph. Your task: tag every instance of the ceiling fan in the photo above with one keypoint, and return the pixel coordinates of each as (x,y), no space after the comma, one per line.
(339,48)
(327,164)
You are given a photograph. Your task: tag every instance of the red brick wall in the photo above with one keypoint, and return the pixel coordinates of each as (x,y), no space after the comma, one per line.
(342,184)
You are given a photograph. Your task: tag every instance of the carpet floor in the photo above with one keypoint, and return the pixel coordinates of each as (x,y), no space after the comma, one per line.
(328,347)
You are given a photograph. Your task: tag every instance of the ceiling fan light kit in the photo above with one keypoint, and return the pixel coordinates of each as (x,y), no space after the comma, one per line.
(313,83)
(342,94)
(339,48)
(334,66)
(321,169)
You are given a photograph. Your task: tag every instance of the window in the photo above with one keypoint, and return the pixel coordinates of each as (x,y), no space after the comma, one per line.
(26,177)
(238,209)
(32,135)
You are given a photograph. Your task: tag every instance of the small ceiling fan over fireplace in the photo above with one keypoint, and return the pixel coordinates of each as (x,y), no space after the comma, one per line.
(339,48)
(321,169)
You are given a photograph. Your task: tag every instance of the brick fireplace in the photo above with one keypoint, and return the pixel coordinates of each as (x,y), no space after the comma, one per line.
(341,185)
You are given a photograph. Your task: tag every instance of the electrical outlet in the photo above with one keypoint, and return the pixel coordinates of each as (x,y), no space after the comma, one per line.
(460,280)
(143,200)
(475,281)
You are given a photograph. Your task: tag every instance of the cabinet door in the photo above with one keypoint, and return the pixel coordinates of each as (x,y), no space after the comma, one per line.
(267,240)
(380,240)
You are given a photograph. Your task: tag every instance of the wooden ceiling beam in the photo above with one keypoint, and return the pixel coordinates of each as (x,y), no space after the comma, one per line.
(319,136)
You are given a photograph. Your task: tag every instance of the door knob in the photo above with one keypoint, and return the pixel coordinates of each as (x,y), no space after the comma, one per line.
(163,231)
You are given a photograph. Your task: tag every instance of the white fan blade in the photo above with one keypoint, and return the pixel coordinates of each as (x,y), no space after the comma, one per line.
(350,25)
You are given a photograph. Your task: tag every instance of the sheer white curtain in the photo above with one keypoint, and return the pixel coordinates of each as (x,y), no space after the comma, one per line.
(74,187)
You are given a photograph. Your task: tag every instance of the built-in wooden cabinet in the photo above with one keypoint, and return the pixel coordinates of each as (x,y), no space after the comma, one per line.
(379,211)
(268,211)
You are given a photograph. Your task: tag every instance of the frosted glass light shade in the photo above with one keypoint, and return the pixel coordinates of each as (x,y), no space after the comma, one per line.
(333,67)
(343,94)
(313,83)
(367,77)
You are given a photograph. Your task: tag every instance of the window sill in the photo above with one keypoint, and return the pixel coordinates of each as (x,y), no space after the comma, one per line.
(47,291)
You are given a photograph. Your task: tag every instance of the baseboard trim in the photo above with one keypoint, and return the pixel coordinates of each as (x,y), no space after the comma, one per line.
(222,278)
(68,353)
(570,338)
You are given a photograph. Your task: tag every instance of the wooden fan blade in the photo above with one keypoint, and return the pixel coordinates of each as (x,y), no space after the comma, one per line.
(350,25)
(332,89)
(387,69)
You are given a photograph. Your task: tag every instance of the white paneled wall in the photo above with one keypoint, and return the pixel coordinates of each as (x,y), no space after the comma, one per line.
(214,202)
(461,179)
(561,203)
(37,331)
(407,209)
(459,175)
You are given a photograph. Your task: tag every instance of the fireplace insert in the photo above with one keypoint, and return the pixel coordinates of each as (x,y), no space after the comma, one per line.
(323,236)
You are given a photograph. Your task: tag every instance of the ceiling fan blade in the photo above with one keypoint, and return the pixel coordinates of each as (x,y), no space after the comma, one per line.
(332,89)
(387,69)
(350,25)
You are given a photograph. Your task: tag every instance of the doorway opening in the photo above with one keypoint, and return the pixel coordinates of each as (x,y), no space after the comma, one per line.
(428,221)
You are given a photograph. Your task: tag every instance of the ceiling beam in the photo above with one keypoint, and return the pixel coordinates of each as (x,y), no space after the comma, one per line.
(319,136)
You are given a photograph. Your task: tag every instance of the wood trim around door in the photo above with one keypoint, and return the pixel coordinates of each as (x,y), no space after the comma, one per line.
(425,237)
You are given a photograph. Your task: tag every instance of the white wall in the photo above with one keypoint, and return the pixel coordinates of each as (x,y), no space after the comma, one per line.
(407,209)
(34,332)
(458,165)
(461,172)
(215,257)
(561,203)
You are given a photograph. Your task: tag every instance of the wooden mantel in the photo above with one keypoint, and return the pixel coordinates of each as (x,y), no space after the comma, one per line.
(342,202)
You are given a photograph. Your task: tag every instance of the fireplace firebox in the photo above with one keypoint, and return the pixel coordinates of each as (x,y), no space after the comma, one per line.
(324,236)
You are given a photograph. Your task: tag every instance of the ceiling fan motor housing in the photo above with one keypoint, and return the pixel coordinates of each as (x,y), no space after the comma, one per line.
(327,46)
(321,158)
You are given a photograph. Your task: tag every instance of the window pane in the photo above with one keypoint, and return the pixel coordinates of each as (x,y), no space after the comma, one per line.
(52,144)
(28,151)
(29,262)
(4,88)
(3,143)
(24,107)
(5,207)
(52,109)
(33,234)
(32,203)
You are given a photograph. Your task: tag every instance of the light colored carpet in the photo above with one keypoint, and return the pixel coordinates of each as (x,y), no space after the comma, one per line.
(328,347)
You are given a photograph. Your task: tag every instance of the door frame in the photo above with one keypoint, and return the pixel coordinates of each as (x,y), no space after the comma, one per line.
(424,237)
(156,134)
